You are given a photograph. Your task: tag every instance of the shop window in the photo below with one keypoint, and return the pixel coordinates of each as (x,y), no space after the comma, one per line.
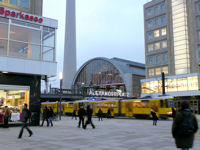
(158,71)
(164,44)
(156,33)
(163,31)
(150,35)
(157,59)
(150,60)
(163,19)
(165,69)
(157,46)
(162,7)
(150,24)
(150,47)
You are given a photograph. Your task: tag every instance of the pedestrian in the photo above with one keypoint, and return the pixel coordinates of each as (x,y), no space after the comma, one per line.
(25,116)
(100,113)
(7,115)
(51,115)
(109,113)
(154,117)
(74,114)
(89,117)
(173,112)
(184,127)
(81,114)
(45,116)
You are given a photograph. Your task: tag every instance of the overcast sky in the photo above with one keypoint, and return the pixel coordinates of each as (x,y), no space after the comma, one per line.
(105,28)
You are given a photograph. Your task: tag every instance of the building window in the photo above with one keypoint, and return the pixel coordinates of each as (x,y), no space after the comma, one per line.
(156,21)
(151,72)
(198,7)
(164,57)
(158,71)
(150,35)
(150,60)
(14,2)
(164,44)
(156,10)
(149,12)
(163,31)
(198,21)
(157,46)
(150,24)
(156,33)
(24,3)
(150,47)
(162,7)
(157,59)
(165,69)
(163,19)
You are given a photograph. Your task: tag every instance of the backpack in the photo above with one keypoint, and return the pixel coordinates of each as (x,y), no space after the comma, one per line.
(186,127)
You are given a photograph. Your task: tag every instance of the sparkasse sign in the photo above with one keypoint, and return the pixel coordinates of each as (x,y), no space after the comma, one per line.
(19,15)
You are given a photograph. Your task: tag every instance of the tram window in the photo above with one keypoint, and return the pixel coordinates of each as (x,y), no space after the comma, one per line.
(161,104)
(166,103)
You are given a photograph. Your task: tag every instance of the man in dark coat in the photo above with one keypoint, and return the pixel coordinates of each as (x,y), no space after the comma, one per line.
(184,141)
(7,114)
(45,116)
(25,116)
(154,117)
(100,113)
(109,113)
(51,115)
(81,114)
(89,117)
(74,114)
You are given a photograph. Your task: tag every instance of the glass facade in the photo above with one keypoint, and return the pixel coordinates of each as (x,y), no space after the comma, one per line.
(172,85)
(180,34)
(21,3)
(99,73)
(25,40)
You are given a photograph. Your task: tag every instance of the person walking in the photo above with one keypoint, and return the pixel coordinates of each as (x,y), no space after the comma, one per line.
(100,113)
(184,127)
(81,114)
(45,116)
(89,117)
(51,115)
(7,114)
(25,116)
(109,113)
(154,117)
(74,114)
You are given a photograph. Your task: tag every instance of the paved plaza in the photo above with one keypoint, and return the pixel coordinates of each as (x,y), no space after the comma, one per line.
(114,134)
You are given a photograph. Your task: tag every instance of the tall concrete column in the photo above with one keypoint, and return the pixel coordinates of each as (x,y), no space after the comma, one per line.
(69,66)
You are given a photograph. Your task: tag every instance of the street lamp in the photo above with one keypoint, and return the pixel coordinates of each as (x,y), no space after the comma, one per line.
(61,79)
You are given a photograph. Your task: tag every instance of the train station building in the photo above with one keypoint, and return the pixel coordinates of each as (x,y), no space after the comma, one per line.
(109,77)
(27,55)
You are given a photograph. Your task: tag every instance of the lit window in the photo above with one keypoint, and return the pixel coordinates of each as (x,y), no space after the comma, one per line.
(24,3)
(150,47)
(14,2)
(150,35)
(164,44)
(163,19)
(164,57)
(149,12)
(163,31)
(157,59)
(156,10)
(150,24)
(162,7)
(165,69)
(150,60)
(156,33)
(151,72)
(156,21)
(157,46)
(198,7)
(158,71)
